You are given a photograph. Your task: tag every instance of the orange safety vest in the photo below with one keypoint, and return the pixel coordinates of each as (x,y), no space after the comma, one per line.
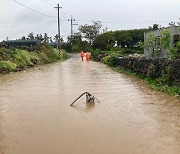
(87,55)
(82,54)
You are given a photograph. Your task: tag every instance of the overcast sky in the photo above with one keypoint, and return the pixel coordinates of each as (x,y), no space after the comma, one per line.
(17,20)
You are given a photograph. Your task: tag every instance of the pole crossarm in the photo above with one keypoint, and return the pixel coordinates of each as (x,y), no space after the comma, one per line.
(59,28)
(72,24)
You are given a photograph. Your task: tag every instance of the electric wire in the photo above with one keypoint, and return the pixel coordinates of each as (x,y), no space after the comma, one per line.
(27,7)
(52,5)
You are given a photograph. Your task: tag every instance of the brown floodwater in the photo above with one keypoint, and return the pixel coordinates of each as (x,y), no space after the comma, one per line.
(131,118)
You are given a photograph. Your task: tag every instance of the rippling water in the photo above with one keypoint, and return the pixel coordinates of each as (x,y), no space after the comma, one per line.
(35,116)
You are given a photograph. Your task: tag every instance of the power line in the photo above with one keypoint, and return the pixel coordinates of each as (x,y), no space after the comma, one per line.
(72,20)
(32,9)
(49,3)
(63,15)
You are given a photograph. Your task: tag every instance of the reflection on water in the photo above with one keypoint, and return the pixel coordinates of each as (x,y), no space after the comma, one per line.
(36,117)
(86,107)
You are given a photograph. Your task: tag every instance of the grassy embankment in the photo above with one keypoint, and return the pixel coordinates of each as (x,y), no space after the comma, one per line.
(14,59)
(154,84)
(159,84)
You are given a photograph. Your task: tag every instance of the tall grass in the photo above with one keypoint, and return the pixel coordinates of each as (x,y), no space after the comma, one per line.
(7,66)
(15,59)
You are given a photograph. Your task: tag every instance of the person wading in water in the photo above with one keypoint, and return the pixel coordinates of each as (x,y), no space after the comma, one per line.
(82,55)
(88,56)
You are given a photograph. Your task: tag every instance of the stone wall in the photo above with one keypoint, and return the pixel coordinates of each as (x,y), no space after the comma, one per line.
(153,68)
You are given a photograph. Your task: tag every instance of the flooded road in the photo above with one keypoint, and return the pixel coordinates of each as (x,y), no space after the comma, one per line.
(35,116)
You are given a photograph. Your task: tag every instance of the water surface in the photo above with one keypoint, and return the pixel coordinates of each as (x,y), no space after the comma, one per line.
(35,116)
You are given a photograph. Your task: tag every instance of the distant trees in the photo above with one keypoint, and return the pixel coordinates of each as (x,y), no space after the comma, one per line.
(31,36)
(104,41)
(42,38)
(90,32)
(120,39)
(154,27)
(75,43)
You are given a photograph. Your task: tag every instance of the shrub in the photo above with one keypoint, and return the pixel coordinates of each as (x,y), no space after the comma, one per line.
(52,54)
(95,53)
(7,66)
(113,59)
(64,55)
(105,60)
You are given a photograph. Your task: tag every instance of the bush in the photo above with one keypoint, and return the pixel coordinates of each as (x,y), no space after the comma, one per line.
(95,53)
(113,59)
(7,66)
(105,60)
(17,59)
(64,55)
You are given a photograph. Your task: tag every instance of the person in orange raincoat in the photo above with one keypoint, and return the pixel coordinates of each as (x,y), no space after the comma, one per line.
(88,56)
(82,55)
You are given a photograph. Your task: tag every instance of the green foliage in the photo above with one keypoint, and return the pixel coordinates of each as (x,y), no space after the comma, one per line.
(64,55)
(175,51)
(125,51)
(44,58)
(164,79)
(165,38)
(105,60)
(90,31)
(22,59)
(154,27)
(95,53)
(34,58)
(76,44)
(155,84)
(16,59)
(51,53)
(152,45)
(104,41)
(120,39)
(174,90)
(113,58)
(7,66)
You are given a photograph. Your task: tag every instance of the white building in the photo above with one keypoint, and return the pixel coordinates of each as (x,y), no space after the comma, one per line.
(175,37)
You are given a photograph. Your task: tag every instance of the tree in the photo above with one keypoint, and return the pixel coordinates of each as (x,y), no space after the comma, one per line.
(56,39)
(175,50)
(23,38)
(50,39)
(152,45)
(90,32)
(165,39)
(77,43)
(31,36)
(46,38)
(39,37)
(123,38)
(154,27)
(104,41)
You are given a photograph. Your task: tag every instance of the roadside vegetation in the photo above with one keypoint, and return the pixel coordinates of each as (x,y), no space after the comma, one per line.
(123,50)
(15,59)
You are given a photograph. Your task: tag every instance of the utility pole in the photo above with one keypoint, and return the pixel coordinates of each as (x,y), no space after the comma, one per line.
(72,24)
(59,32)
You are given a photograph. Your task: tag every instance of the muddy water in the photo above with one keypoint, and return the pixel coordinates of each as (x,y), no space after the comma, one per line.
(35,116)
